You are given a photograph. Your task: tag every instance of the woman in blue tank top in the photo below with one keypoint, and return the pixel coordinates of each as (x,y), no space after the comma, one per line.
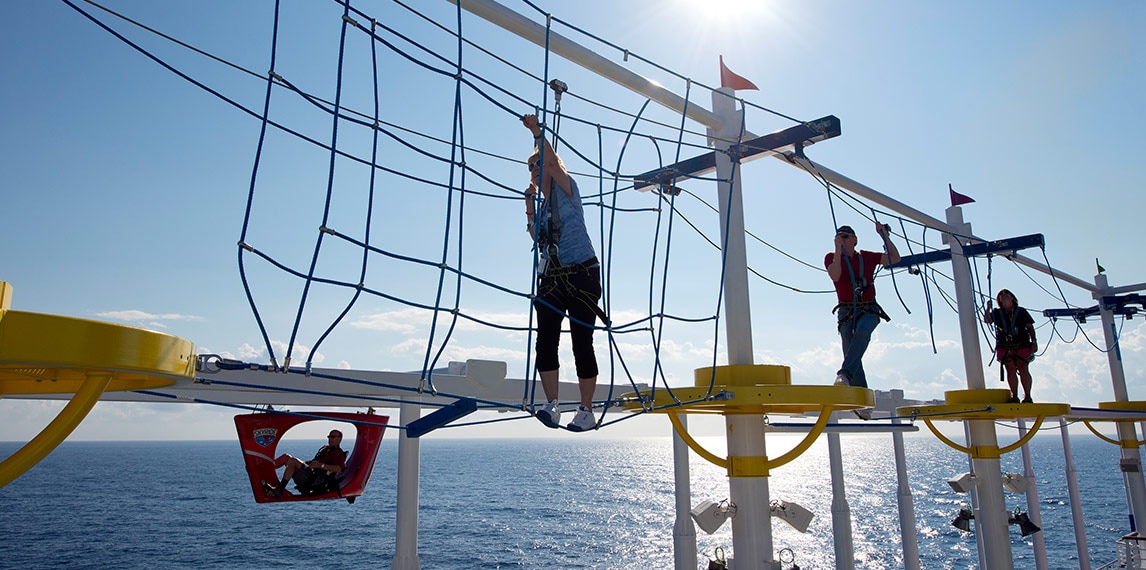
(569,279)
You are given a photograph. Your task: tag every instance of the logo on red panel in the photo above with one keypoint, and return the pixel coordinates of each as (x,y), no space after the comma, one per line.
(266,436)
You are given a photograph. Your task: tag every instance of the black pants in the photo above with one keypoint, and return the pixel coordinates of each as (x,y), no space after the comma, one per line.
(575,290)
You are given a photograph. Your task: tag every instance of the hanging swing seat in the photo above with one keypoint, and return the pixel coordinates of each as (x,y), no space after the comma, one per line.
(260,434)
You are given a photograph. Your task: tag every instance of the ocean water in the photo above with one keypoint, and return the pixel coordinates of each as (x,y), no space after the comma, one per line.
(561,503)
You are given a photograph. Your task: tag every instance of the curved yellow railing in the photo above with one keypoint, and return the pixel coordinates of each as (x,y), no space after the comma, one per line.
(66,421)
(749,389)
(986,452)
(1086,423)
(752,466)
(990,404)
(1132,413)
(49,354)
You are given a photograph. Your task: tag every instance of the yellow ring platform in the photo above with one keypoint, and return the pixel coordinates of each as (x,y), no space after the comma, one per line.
(744,389)
(751,389)
(972,404)
(1134,414)
(48,354)
(983,405)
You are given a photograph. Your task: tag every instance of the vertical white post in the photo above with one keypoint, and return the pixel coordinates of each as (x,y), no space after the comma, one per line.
(1076,515)
(990,517)
(841,512)
(406,529)
(1131,463)
(1033,511)
(752,525)
(907,528)
(683,530)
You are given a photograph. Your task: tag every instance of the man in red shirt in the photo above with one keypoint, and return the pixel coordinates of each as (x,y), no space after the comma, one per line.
(314,474)
(853,273)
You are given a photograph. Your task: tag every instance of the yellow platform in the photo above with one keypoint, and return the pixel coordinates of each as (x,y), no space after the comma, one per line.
(750,389)
(1133,413)
(990,405)
(983,405)
(49,354)
(756,389)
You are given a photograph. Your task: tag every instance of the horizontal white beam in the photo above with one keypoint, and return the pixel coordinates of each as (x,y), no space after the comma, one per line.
(576,53)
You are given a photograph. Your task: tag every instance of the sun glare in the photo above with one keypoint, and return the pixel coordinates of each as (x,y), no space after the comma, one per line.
(727,10)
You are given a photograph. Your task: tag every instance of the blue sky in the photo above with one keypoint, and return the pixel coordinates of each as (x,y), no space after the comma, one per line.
(126,186)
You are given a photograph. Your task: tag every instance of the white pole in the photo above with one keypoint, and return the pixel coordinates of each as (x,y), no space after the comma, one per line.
(907,528)
(841,513)
(752,525)
(683,530)
(990,517)
(1033,511)
(1076,515)
(406,529)
(1131,464)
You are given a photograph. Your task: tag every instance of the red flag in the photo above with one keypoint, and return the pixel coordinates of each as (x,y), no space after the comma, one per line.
(957,198)
(729,79)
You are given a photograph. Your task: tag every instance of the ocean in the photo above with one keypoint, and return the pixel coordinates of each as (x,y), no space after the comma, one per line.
(562,503)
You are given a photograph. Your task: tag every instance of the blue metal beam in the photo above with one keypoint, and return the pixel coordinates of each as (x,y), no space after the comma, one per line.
(807,133)
(1011,245)
(441,417)
(1117,304)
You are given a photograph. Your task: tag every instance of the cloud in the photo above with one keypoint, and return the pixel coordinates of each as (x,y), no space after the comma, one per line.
(137,316)
(417,321)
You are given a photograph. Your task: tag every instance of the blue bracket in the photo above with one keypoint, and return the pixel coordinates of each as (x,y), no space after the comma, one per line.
(798,136)
(1117,304)
(441,417)
(1010,245)
(1078,314)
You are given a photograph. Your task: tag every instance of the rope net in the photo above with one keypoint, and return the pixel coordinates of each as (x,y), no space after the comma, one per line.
(384,207)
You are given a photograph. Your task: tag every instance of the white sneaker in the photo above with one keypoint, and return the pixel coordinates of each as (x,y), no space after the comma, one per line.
(842,380)
(550,415)
(584,420)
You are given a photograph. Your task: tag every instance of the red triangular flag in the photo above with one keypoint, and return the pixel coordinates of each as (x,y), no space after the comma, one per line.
(957,198)
(729,79)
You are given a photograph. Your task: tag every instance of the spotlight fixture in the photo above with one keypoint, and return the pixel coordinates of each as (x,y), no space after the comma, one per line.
(709,516)
(1016,483)
(791,513)
(962,521)
(963,483)
(1026,527)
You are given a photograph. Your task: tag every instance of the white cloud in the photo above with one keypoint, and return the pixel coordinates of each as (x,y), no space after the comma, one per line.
(137,316)
(417,321)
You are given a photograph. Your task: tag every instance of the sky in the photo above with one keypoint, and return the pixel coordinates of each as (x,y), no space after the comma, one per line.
(127,187)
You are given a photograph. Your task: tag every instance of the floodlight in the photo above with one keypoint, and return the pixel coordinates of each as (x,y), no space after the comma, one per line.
(963,483)
(1016,483)
(1026,527)
(709,515)
(793,514)
(962,521)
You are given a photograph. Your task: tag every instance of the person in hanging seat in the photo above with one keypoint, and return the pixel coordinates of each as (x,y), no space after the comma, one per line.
(312,477)
(569,279)
(857,312)
(1015,342)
